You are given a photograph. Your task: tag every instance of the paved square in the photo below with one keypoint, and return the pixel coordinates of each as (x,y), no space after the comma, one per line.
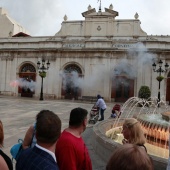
(17,114)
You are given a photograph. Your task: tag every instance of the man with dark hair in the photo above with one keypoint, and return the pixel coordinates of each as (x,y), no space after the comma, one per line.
(71,151)
(42,155)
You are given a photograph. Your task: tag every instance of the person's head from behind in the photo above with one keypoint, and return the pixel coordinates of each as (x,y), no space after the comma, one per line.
(133,132)
(78,117)
(48,127)
(99,96)
(130,157)
(1,134)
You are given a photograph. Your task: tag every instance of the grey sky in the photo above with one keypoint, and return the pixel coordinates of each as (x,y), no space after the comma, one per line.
(44,17)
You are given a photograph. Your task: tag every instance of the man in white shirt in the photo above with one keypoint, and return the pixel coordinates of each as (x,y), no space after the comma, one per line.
(102,106)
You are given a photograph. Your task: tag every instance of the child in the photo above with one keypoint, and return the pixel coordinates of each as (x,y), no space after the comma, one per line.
(116,111)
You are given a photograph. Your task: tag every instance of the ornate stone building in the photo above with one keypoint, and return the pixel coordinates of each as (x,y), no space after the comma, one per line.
(98,55)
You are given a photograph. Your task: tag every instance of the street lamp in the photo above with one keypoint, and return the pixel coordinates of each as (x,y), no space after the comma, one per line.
(160,78)
(42,73)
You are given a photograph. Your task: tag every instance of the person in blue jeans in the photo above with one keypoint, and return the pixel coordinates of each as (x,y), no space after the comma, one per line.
(102,106)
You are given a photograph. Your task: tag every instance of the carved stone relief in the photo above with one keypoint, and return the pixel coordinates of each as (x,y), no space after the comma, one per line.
(6,56)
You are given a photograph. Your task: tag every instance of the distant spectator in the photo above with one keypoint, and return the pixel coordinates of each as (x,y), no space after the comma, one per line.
(71,151)
(130,157)
(133,133)
(42,155)
(102,106)
(5,161)
(116,112)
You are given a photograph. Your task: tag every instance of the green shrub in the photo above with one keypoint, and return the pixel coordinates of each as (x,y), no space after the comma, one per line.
(144,92)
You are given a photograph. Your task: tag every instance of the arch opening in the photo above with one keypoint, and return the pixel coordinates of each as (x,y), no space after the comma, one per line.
(122,83)
(27,78)
(70,82)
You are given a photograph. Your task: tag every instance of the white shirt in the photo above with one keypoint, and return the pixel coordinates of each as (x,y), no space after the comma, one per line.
(46,150)
(101,103)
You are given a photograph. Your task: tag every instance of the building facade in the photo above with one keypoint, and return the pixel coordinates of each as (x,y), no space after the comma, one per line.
(97,55)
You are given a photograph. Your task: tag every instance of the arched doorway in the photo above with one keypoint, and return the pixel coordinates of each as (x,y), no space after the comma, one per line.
(27,75)
(168,88)
(123,81)
(71,81)
(122,88)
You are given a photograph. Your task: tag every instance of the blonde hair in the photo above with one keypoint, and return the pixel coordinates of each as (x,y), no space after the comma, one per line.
(137,135)
(1,134)
(130,157)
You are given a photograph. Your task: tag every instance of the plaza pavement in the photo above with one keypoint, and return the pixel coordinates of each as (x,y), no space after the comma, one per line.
(18,113)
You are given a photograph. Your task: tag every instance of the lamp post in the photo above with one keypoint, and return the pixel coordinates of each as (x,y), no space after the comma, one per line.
(160,78)
(42,73)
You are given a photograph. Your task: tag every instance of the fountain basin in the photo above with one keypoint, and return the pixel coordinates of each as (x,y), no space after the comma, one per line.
(155,129)
(105,146)
(166,116)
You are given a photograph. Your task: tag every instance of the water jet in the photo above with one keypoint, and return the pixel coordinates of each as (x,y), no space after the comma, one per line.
(154,121)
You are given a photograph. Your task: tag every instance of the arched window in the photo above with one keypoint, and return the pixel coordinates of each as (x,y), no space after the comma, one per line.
(70,83)
(27,68)
(27,77)
(72,67)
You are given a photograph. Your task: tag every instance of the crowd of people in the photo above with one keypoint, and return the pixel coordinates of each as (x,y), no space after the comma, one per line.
(45,147)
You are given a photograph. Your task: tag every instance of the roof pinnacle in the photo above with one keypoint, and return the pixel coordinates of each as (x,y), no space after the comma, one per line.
(100,6)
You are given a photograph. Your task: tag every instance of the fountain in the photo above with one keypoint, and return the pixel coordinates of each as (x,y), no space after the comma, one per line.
(166,116)
(154,121)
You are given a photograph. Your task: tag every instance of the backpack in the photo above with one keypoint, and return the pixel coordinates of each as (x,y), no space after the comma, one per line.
(16,150)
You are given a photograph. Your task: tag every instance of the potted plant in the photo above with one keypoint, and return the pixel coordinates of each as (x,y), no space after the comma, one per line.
(42,74)
(144,92)
(159,78)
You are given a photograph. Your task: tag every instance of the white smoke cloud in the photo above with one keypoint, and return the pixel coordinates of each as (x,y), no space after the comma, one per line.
(124,67)
(140,56)
(71,79)
(92,82)
(23,83)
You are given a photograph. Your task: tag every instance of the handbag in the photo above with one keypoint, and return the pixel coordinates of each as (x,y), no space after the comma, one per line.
(16,150)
